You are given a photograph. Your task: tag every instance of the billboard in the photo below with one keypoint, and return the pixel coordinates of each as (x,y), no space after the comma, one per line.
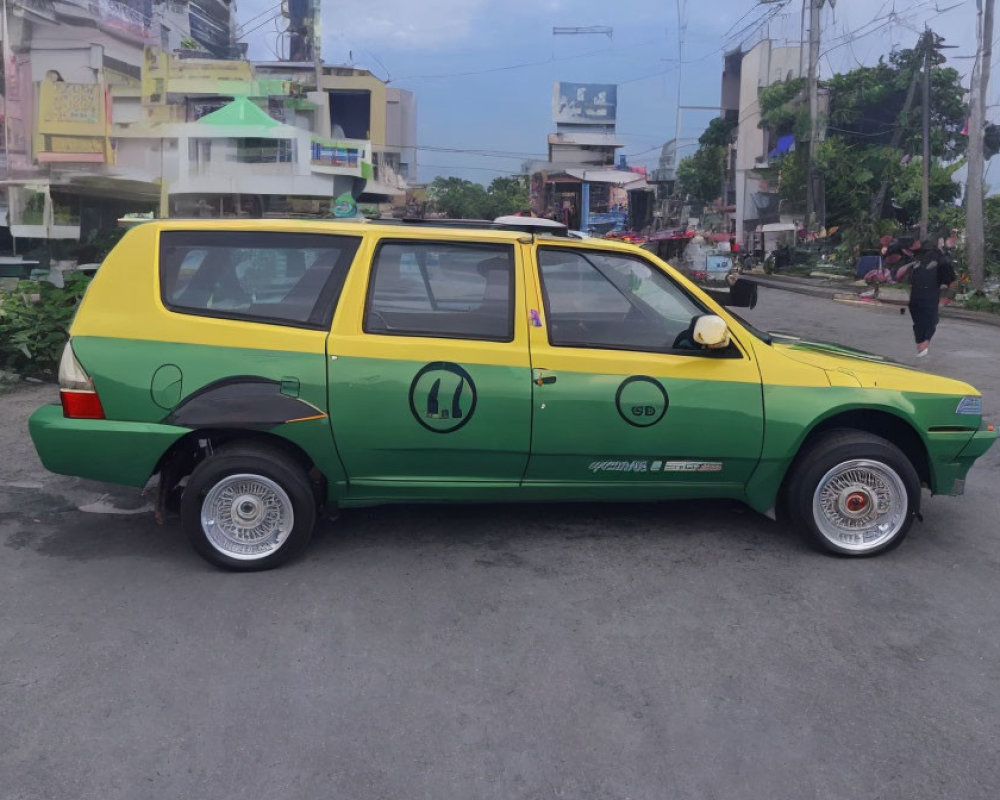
(72,122)
(584,103)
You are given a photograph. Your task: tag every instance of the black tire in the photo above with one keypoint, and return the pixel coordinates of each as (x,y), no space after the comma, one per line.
(853,493)
(276,493)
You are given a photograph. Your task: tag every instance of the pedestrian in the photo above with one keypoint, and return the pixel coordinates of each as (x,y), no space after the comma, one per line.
(928,272)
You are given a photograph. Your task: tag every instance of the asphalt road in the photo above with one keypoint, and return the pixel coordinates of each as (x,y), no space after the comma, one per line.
(688,650)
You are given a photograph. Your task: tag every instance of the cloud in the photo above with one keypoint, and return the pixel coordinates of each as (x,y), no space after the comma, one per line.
(402,25)
(406,25)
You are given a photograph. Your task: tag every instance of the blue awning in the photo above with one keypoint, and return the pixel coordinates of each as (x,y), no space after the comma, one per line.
(786,144)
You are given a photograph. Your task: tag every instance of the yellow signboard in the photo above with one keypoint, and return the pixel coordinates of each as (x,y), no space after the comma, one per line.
(72,122)
(72,109)
(164,73)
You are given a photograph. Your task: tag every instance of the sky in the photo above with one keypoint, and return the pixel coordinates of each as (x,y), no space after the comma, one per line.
(482,72)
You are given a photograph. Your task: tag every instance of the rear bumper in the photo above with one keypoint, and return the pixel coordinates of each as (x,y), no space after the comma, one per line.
(100,449)
(949,475)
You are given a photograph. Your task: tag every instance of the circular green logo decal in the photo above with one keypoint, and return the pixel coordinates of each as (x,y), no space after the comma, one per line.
(442,397)
(642,401)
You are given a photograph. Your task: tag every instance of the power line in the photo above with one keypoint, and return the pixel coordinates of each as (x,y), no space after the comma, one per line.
(261,25)
(258,16)
(525,64)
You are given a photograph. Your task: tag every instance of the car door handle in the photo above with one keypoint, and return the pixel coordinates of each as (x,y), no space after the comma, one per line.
(539,378)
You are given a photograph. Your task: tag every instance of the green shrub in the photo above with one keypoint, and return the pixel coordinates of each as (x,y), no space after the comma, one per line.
(34,323)
(978,302)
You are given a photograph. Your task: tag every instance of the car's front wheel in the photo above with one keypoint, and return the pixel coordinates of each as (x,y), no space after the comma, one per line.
(248,507)
(854,494)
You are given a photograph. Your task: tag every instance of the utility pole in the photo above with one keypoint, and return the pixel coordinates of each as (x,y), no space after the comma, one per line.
(802,39)
(925,166)
(680,66)
(975,238)
(317,53)
(813,187)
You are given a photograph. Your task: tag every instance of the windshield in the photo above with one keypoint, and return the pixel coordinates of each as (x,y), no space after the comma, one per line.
(764,336)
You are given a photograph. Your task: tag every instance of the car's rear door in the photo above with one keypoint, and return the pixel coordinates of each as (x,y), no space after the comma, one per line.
(624,403)
(429,378)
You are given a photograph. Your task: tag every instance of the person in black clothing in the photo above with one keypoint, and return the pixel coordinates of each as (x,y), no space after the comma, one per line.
(928,272)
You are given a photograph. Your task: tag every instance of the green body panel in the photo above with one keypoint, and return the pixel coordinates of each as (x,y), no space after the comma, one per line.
(586,430)
(313,436)
(580,446)
(103,450)
(386,450)
(124,369)
(947,472)
(535,492)
(792,412)
(128,375)
(981,441)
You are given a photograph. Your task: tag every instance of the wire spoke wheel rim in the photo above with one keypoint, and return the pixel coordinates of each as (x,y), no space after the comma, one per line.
(247,516)
(860,505)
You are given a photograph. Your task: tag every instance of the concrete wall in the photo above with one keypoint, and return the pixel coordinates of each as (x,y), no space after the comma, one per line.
(762,66)
(575,155)
(401,128)
(377,90)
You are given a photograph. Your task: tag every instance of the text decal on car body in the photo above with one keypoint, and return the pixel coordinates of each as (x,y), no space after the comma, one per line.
(442,397)
(655,466)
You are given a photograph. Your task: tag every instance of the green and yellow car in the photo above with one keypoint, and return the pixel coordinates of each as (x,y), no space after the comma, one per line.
(261,370)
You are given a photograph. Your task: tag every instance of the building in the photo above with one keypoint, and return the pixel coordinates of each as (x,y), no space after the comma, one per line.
(580,184)
(73,75)
(354,104)
(753,200)
(120,107)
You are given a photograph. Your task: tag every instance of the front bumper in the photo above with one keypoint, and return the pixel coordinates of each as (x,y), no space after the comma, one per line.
(100,449)
(949,474)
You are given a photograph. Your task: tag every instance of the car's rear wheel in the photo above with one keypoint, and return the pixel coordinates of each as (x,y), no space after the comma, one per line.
(248,507)
(854,493)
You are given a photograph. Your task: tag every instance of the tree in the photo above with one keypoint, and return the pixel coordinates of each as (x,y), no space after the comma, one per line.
(874,128)
(700,175)
(719,132)
(458,198)
(507,195)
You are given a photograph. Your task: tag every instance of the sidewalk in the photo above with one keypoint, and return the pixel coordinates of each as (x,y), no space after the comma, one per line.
(846,290)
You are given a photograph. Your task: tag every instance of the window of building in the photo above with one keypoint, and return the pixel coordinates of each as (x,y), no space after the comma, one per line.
(281,278)
(351,111)
(611,301)
(443,290)
(265,151)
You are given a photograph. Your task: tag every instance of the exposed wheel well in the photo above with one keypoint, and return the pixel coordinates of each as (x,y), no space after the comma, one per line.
(188,451)
(879,423)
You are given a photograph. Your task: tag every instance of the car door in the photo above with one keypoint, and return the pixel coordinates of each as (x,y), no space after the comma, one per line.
(624,402)
(429,377)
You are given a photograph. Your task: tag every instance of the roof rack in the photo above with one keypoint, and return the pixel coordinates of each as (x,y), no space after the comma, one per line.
(532,225)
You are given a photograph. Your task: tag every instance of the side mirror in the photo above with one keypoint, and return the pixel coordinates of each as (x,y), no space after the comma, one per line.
(711,331)
(742,294)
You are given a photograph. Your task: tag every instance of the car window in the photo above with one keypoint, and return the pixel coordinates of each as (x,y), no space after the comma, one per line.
(282,278)
(441,289)
(614,301)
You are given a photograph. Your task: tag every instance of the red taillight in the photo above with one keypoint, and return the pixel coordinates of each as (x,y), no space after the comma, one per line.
(81,404)
(76,389)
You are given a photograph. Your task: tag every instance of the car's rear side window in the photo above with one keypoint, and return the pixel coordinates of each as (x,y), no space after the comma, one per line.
(261,276)
(447,290)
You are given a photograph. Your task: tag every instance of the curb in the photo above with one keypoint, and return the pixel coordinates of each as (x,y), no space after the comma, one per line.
(832,292)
